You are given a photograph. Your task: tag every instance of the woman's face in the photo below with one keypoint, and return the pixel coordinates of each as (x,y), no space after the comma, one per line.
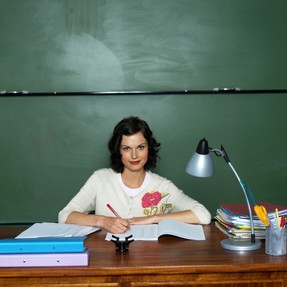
(134,152)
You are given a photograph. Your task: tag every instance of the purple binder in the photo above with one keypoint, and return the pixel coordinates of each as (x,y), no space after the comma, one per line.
(44,259)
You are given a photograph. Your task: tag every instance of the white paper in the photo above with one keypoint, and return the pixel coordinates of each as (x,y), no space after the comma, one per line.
(180,229)
(50,229)
(139,232)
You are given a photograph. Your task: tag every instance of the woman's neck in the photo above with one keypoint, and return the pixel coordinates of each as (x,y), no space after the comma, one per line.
(133,179)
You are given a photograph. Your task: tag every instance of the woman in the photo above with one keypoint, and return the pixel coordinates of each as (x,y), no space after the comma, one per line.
(136,194)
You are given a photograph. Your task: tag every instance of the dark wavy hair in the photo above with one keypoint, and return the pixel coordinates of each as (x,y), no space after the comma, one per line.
(129,126)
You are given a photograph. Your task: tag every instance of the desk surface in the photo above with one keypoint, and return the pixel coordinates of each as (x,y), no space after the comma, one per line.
(169,259)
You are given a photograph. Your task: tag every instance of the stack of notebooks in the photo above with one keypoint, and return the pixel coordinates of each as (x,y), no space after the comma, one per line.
(43,252)
(46,245)
(233,219)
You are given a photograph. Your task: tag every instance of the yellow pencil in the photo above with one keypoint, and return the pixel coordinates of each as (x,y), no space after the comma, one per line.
(277,217)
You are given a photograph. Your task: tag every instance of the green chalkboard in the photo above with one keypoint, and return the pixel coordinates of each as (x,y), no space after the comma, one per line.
(49,146)
(105,45)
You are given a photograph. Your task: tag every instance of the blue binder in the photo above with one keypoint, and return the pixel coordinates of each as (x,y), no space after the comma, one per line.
(42,245)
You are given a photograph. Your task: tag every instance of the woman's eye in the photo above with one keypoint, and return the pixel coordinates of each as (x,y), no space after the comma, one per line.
(126,149)
(141,147)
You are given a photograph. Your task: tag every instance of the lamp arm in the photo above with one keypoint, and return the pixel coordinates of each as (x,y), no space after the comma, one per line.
(247,201)
(223,153)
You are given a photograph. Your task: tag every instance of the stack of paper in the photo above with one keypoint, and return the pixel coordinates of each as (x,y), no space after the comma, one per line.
(51,229)
(233,219)
(46,244)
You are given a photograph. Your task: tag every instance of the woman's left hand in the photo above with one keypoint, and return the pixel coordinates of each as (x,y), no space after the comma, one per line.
(142,220)
(186,216)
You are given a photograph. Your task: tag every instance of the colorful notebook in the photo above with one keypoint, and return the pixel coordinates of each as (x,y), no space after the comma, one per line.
(241,209)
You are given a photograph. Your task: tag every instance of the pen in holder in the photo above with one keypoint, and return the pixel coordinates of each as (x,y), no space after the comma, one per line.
(122,246)
(275,238)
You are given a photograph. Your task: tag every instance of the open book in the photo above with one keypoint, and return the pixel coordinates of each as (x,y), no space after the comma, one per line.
(150,232)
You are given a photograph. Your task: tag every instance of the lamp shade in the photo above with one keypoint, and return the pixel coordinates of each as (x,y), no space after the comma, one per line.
(201,164)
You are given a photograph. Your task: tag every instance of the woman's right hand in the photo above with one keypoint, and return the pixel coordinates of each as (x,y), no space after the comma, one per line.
(111,224)
(115,225)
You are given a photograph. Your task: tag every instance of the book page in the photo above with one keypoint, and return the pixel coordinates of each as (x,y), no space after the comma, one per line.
(180,229)
(146,232)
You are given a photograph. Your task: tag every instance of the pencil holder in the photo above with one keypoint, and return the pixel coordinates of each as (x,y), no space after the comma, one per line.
(275,240)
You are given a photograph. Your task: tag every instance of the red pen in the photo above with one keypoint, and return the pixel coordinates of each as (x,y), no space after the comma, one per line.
(282,221)
(113,211)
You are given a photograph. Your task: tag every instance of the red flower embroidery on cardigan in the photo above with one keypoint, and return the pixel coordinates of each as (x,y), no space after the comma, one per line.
(151,199)
(150,203)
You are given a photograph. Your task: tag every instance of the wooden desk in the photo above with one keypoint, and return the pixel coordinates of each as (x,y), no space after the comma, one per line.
(169,262)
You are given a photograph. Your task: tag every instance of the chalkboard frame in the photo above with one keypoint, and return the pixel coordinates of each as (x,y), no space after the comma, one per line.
(125,93)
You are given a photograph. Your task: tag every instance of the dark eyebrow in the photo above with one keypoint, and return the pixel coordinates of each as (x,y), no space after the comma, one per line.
(125,145)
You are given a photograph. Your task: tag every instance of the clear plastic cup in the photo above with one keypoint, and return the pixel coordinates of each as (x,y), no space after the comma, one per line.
(275,240)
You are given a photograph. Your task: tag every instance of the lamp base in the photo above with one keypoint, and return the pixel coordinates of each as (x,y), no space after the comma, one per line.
(240,244)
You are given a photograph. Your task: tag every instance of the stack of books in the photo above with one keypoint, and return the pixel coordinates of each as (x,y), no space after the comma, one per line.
(43,252)
(234,221)
(46,245)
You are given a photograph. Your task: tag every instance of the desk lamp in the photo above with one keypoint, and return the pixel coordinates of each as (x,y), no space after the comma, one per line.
(201,165)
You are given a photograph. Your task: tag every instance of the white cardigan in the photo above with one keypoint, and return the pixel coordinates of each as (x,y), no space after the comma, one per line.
(159,196)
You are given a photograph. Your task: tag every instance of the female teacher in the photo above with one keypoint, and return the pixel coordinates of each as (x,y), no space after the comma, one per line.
(128,192)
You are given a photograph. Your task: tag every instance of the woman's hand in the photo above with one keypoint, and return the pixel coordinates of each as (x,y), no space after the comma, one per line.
(186,216)
(142,220)
(110,224)
(115,225)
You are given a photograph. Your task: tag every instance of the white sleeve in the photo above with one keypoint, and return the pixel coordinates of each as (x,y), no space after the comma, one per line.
(182,201)
(83,201)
